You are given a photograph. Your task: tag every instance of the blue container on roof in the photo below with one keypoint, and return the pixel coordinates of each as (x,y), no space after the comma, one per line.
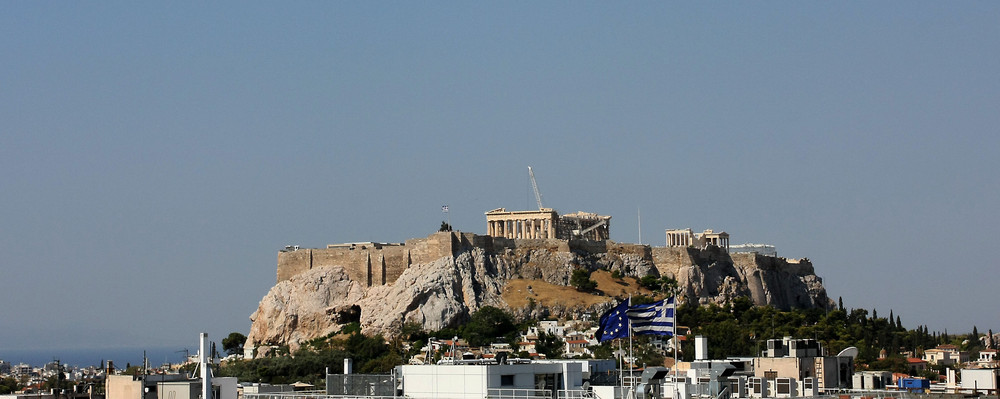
(918,385)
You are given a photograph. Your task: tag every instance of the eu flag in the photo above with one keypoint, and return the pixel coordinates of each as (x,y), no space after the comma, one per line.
(614,323)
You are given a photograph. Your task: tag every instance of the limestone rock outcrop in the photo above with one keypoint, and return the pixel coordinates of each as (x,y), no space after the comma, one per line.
(712,275)
(309,305)
(444,292)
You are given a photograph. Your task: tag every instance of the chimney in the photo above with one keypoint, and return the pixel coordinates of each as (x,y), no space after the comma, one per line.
(700,348)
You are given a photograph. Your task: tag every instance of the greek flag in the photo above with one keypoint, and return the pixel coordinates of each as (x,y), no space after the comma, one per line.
(444,208)
(614,323)
(655,318)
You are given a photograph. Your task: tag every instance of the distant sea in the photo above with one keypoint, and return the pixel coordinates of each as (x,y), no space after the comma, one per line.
(93,357)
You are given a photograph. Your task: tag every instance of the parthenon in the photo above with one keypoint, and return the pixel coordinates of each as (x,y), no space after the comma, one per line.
(521,224)
(546,223)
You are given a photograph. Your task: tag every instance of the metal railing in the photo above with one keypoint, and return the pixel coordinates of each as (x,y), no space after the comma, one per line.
(866,393)
(308,395)
(515,393)
(575,394)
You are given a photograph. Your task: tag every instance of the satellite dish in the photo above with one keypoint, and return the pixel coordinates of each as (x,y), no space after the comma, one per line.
(850,351)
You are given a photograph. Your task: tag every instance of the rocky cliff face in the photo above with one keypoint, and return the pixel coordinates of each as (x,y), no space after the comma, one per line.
(444,292)
(712,275)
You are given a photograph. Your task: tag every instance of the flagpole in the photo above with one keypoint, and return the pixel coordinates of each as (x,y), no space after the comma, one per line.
(677,341)
(631,354)
(621,364)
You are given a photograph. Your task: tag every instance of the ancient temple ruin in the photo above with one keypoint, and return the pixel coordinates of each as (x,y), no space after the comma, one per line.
(688,238)
(547,223)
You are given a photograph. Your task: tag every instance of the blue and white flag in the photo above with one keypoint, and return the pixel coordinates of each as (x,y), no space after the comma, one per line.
(655,318)
(444,208)
(614,323)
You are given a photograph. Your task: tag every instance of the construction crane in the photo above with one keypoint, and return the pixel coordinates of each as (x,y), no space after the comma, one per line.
(534,186)
(579,233)
(187,354)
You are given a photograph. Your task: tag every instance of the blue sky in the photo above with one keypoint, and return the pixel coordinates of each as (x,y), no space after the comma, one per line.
(155,157)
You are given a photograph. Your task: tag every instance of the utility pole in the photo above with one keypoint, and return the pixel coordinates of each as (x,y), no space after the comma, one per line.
(57,390)
(144,389)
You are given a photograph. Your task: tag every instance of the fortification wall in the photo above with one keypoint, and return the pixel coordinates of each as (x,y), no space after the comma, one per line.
(640,250)
(293,262)
(372,263)
(432,247)
(669,260)
(588,246)
(376,264)
(799,267)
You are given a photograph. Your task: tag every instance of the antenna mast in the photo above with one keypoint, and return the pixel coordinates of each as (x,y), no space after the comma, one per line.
(534,186)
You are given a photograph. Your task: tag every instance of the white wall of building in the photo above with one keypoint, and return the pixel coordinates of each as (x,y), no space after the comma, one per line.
(474,381)
(983,379)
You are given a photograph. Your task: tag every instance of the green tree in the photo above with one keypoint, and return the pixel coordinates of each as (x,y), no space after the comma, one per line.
(603,351)
(233,344)
(550,345)
(581,280)
(740,307)
(639,299)
(487,324)
(659,284)
(9,385)
(646,354)
(57,381)
(371,355)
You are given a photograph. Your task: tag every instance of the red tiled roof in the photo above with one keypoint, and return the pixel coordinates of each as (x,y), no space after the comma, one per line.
(914,360)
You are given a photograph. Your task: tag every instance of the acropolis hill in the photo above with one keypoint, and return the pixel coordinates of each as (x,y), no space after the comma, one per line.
(371,263)
(438,280)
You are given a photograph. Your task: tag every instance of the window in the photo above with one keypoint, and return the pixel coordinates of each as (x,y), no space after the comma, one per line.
(507,380)
(784,386)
